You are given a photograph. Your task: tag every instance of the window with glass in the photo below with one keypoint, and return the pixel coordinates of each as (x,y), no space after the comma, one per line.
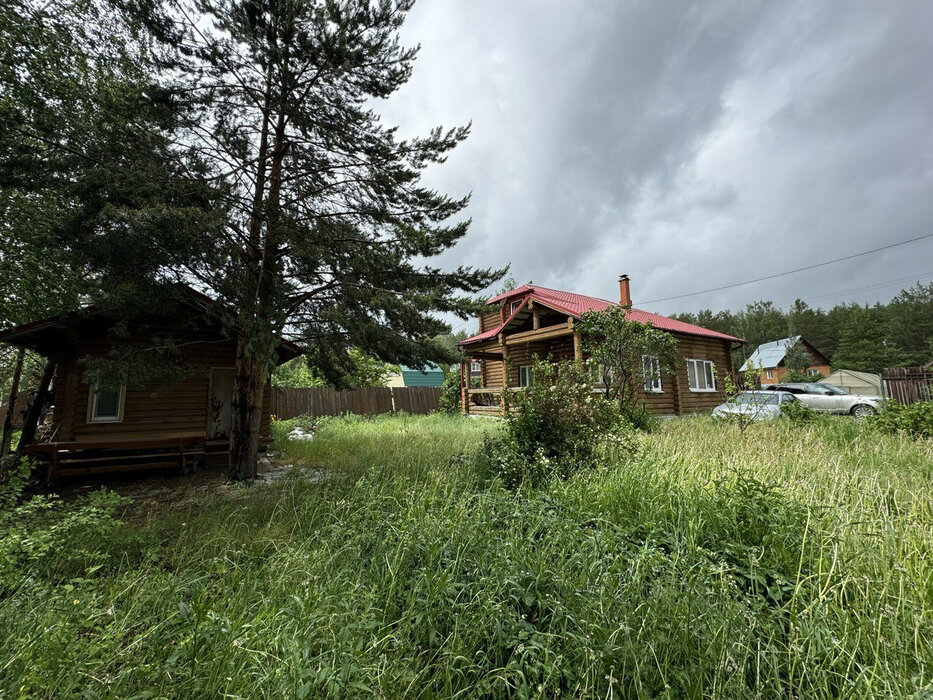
(526,375)
(599,373)
(651,369)
(700,375)
(514,305)
(106,404)
(475,366)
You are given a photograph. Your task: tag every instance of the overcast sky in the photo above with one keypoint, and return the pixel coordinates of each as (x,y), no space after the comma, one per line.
(689,145)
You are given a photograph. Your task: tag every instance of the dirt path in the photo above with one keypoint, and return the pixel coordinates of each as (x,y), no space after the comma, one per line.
(155,493)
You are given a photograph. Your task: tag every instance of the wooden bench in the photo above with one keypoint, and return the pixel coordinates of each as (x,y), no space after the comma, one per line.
(73,458)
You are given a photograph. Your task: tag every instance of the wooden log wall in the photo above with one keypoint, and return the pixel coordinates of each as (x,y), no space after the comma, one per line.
(908,385)
(325,401)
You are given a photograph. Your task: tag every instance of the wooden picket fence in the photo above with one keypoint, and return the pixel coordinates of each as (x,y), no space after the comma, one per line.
(325,401)
(908,385)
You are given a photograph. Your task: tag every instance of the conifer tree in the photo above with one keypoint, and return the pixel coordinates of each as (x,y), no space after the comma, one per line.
(796,360)
(862,344)
(255,168)
(326,218)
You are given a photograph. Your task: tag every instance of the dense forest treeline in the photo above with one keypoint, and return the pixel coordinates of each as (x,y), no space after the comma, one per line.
(852,336)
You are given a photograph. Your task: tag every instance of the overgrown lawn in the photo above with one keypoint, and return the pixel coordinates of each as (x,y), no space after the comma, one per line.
(793,562)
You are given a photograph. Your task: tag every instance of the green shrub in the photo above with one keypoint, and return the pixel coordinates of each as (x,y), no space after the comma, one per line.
(798,412)
(915,420)
(54,538)
(641,418)
(553,427)
(450,392)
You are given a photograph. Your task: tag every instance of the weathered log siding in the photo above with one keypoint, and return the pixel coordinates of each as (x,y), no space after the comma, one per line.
(698,348)
(675,396)
(150,412)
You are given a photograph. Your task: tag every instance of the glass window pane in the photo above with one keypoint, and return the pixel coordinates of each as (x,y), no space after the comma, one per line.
(108,403)
(692,374)
(709,375)
(525,375)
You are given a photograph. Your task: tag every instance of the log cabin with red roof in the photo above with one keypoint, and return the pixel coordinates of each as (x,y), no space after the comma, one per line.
(533,321)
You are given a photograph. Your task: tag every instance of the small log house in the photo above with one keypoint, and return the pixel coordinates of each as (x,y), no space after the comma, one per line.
(533,321)
(166,422)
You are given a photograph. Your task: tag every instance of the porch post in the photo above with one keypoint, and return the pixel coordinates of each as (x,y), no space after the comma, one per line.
(505,372)
(464,393)
(10,418)
(34,411)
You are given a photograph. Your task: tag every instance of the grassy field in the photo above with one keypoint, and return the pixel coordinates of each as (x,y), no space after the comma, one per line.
(796,562)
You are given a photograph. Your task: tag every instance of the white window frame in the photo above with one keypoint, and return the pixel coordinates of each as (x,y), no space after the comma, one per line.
(596,371)
(699,369)
(514,305)
(769,374)
(529,372)
(476,366)
(92,416)
(814,373)
(652,374)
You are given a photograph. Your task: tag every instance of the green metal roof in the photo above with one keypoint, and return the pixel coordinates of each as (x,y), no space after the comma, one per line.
(431,376)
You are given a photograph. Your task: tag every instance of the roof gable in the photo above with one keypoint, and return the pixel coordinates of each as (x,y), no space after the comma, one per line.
(771,355)
(576,305)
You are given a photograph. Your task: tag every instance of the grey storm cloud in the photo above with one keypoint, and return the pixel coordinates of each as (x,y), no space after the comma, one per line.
(687,145)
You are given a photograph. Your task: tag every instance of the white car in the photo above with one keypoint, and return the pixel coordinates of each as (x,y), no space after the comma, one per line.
(755,405)
(827,398)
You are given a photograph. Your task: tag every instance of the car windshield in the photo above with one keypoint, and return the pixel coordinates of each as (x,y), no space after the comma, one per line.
(834,389)
(751,397)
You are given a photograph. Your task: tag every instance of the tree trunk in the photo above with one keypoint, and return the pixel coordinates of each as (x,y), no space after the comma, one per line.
(34,412)
(11,404)
(246,413)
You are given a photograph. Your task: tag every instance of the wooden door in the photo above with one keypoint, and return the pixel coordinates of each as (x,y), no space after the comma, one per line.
(220,404)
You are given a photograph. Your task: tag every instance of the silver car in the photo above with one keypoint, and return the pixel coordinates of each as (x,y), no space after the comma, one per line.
(827,398)
(754,405)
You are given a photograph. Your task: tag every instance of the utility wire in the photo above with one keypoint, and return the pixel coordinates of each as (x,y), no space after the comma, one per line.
(789,272)
(786,306)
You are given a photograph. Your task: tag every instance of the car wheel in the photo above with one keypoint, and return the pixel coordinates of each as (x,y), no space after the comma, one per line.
(862,411)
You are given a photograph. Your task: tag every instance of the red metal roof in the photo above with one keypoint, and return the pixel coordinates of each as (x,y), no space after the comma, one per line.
(578,304)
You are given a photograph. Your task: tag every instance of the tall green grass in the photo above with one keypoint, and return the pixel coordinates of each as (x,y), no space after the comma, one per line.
(791,562)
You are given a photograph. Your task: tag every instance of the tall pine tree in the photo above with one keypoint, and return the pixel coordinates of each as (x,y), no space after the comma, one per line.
(327,223)
(254,168)
(863,345)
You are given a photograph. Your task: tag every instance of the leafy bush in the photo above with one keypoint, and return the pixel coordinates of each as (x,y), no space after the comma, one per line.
(915,420)
(49,536)
(640,418)
(553,427)
(798,412)
(618,347)
(450,392)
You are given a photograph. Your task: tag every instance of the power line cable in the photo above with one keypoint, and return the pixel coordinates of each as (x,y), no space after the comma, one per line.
(789,272)
(918,278)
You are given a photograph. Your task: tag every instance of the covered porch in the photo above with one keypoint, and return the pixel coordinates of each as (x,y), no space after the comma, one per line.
(506,357)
